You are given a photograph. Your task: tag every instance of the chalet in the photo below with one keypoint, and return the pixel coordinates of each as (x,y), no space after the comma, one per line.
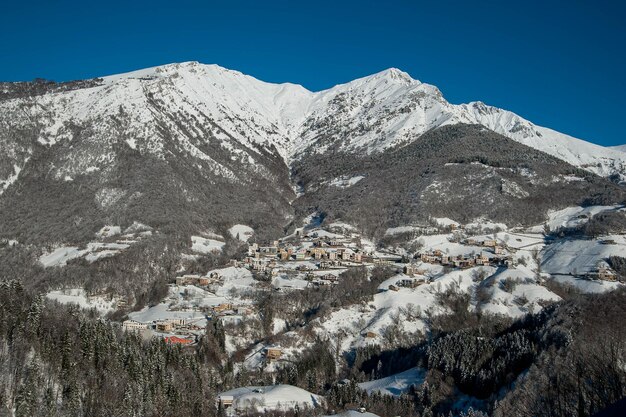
(222,307)
(393,288)
(225,401)
(367,258)
(243,311)
(258,265)
(429,258)
(252,249)
(273,353)
(463,262)
(332,255)
(482,259)
(498,250)
(605,273)
(491,243)
(301,255)
(164,326)
(133,326)
(346,254)
(370,335)
(410,269)
(409,283)
(268,250)
(329,277)
(188,279)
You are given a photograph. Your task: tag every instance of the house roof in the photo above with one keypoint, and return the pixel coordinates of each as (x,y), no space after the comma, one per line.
(177,340)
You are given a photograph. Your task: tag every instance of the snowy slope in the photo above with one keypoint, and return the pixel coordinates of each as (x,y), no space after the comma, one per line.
(621,148)
(390,108)
(397,384)
(274,397)
(201,106)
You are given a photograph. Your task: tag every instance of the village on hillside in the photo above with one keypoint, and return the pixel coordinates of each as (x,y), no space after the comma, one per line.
(506,271)
(317,257)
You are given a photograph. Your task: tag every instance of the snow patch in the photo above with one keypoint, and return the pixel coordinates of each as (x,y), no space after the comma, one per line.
(79,297)
(345,182)
(395,385)
(206,245)
(275,397)
(241,232)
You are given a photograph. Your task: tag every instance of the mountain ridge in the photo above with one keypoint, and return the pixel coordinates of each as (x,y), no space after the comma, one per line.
(293,119)
(223,148)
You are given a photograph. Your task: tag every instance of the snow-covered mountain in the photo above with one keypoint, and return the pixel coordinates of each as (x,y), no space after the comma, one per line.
(191,145)
(621,148)
(188,100)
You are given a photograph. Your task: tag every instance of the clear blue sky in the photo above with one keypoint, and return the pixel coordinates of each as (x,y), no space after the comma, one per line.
(560,64)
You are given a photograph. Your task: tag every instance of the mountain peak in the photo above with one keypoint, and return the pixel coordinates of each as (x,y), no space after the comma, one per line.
(395,74)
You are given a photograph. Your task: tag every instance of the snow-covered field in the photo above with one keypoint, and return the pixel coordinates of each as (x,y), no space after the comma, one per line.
(274,397)
(79,297)
(575,216)
(241,232)
(354,413)
(578,257)
(397,384)
(103,248)
(207,245)
(162,312)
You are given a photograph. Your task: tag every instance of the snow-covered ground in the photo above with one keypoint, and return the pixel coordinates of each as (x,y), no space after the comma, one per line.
(233,279)
(241,232)
(445,221)
(206,245)
(578,257)
(397,384)
(162,312)
(109,231)
(60,256)
(274,397)
(575,216)
(354,413)
(345,182)
(253,113)
(79,297)
(182,302)
(95,251)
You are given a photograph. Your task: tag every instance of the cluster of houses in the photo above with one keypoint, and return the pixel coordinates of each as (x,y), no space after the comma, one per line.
(198,280)
(494,255)
(408,282)
(186,330)
(182,327)
(327,251)
(466,260)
